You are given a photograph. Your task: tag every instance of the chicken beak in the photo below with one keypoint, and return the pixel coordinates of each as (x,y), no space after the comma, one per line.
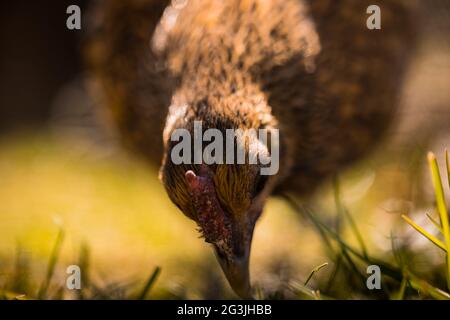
(236,270)
(235,263)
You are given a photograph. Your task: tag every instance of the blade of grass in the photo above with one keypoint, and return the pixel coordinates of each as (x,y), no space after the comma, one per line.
(352,265)
(324,231)
(425,287)
(398,256)
(442,207)
(328,245)
(84,263)
(51,265)
(425,233)
(356,232)
(259,293)
(447,162)
(342,256)
(150,282)
(316,269)
(396,252)
(389,270)
(401,292)
(436,224)
(299,288)
(344,212)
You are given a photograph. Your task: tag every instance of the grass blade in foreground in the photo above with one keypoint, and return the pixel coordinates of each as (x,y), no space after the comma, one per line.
(150,283)
(425,287)
(425,233)
(441,206)
(436,224)
(51,265)
(448,167)
(316,269)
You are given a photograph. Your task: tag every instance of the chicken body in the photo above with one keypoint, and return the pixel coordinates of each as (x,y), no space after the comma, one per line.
(311,69)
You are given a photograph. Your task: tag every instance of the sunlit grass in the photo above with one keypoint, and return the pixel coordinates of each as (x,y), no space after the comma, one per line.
(444,226)
(426,234)
(131,242)
(117,208)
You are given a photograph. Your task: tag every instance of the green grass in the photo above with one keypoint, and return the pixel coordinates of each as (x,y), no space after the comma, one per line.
(43,291)
(444,226)
(401,274)
(115,222)
(149,284)
(426,234)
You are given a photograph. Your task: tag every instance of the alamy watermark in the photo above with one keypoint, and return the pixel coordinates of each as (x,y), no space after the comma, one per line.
(73,22)
(374,280)
(374,20)
(73,281)
(249,146)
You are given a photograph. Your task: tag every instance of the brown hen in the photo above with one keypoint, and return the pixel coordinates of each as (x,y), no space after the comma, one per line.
(311,69)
